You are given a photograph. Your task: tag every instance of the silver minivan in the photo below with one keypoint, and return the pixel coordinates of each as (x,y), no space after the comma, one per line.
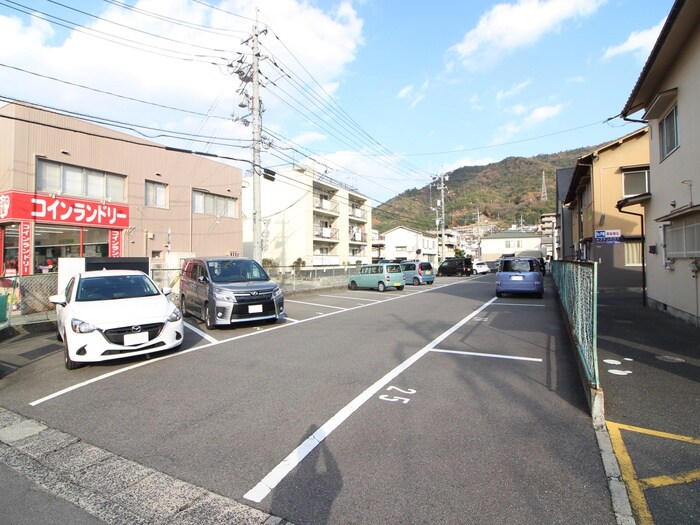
(227,290)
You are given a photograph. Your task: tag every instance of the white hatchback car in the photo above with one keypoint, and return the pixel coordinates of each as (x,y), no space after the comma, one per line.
(481,267)
(110,314)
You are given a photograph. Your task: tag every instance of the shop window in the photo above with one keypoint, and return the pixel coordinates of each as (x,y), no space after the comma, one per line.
(63,179)
(156,194)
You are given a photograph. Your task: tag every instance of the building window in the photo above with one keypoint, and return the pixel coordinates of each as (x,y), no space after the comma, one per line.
(683,239)
(633,253)
(634,183)
(156,194)
(210,204)
(668,133)
(62,179)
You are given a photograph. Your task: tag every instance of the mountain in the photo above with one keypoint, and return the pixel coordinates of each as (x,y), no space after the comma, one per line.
(504,193)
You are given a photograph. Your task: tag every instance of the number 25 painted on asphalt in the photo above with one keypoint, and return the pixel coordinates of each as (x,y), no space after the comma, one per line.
(392,399)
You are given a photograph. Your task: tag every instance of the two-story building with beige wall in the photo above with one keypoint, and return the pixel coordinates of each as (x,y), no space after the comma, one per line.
(308,216)
(667,93)
(70,188)
(601,232)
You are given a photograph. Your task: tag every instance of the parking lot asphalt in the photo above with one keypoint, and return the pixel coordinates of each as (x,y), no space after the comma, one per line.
(649,366)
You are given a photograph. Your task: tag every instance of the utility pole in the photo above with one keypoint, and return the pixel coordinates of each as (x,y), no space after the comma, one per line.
(257,212)
(442,220)
(443,178)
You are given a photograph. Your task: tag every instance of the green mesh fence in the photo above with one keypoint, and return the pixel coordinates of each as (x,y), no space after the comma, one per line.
(577,285)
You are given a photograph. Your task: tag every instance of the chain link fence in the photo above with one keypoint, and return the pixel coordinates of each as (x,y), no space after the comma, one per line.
(25,300)
(577,285)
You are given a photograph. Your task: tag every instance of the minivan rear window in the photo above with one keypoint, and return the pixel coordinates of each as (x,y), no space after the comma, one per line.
(393,268)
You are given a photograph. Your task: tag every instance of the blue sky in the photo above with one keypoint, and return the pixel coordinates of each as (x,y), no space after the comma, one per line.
(380,94)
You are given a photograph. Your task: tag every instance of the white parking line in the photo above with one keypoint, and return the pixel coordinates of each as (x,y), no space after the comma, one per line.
(350,297)
(316,304)
(203,347)
(200,333)
(496,356)
(520,304)
(277,474)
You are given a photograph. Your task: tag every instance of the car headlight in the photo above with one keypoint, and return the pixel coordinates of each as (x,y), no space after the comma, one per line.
(175,315)
(224,295)
(81,327)
(276,292)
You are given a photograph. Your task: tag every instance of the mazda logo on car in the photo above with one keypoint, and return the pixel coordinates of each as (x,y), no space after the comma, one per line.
(136,329)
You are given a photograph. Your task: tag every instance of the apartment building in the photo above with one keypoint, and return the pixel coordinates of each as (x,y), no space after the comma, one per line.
(310,219)
(70,188)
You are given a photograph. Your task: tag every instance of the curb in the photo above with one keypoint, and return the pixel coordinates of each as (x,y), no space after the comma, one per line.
(618,492)
(112,488)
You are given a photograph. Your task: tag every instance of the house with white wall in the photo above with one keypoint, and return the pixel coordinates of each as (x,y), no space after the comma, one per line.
(409,244)
(666,96)
(514,242)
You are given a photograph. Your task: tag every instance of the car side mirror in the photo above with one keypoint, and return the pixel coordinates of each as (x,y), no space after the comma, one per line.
(167,290)
(202,279)
(58,299)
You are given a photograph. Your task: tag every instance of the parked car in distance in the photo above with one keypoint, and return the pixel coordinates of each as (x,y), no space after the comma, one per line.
(223,291)
(417,272)
(480,267)
(455,266)
(519,275)
(378,277)
(112,314)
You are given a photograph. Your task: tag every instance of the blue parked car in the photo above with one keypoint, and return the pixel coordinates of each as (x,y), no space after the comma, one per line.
(519,275)
(418,273)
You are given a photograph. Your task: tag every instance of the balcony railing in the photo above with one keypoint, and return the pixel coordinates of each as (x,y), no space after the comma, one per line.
(358,214)
(358,236)
(322,232)
(326,206)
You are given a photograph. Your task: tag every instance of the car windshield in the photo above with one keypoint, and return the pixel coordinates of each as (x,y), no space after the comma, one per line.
(519,265)
(236,271)
(108,287)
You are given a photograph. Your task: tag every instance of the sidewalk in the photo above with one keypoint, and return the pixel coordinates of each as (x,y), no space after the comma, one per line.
(649,364)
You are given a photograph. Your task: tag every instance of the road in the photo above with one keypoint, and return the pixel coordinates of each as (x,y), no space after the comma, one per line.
(436,404)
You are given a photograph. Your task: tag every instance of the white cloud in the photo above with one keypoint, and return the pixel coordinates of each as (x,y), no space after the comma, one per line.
(531,120)
(309,138)
(414,96)
(514,90)
(577,79)
(509,26)
(638,43)
(467,161)
(311,45)
(405,92)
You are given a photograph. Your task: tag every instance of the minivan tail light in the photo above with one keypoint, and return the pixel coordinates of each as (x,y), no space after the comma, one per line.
(388,278)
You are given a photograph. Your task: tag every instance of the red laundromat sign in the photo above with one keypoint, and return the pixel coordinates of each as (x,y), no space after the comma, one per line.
(21,206)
